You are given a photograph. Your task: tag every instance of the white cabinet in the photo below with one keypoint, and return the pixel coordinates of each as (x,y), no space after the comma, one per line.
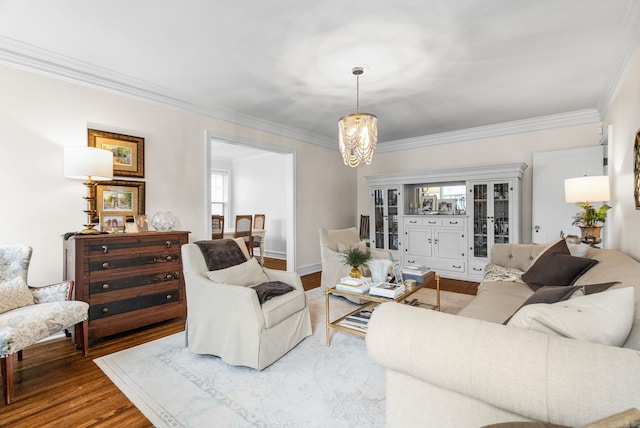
(385,230)
(495,217)
(438,243)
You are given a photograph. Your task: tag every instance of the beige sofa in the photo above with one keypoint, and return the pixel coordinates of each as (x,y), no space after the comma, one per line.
(469,370)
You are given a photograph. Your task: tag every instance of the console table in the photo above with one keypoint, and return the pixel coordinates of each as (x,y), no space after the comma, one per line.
(130,280)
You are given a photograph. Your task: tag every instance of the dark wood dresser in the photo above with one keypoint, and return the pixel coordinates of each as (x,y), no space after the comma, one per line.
(129,280)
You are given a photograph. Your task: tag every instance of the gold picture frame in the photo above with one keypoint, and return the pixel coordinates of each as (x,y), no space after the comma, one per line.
(120,198)
(128,151)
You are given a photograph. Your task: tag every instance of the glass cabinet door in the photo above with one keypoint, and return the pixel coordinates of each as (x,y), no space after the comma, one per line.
(501,213)
(480,220)
(392,218)
(378,217)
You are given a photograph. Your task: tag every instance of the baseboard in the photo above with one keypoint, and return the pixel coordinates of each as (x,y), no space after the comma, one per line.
(312,268)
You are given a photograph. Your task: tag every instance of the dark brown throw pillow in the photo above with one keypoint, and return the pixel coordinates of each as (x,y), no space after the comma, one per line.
(548,294)
(221,253)
(597,288)
(267,290)
(556,269)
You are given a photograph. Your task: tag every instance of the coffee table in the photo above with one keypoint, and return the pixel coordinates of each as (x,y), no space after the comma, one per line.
(372,301)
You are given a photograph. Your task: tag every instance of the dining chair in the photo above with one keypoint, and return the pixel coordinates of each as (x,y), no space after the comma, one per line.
(217,226)
(243,230)
(258,223)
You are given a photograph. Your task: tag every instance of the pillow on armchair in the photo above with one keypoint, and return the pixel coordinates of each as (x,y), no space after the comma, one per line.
(14,294)
(361,245)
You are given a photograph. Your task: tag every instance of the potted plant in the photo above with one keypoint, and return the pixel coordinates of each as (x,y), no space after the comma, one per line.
(355,257)
(590,221)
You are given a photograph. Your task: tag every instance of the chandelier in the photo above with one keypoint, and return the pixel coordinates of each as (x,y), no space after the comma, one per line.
(357,132)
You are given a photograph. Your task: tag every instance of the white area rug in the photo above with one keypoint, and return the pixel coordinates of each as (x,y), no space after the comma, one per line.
(312,386)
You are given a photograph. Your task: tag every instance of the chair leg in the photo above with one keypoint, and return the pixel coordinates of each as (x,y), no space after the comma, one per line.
(6,369)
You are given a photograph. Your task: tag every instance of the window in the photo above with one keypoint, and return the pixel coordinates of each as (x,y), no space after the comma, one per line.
(220,193)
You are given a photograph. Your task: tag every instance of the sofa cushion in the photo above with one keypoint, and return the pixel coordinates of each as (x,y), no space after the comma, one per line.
(245,274)
(604,318)
(496,301)
(556,269)
(268,290)
(14,293)
(548,295)
(282,307)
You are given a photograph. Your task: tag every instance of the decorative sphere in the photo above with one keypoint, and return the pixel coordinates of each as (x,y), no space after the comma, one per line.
(163,221)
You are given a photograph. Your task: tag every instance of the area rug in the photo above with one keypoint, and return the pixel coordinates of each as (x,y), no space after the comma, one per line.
(312,386)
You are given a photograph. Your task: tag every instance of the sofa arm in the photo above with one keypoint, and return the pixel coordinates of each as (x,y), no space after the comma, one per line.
(59,292)
(290,278)
(550,379)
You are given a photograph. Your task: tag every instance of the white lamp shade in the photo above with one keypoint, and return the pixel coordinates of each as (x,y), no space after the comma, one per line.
(587,189)
(83,163)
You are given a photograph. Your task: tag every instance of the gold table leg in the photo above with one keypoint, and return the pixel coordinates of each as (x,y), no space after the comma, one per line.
(327,321)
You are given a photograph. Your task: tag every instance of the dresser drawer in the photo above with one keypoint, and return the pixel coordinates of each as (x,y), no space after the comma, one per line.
(117,307)
(127,245)
(111,262)
(114,283)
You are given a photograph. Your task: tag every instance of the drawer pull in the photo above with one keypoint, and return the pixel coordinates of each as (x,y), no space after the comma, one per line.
(169,258)
(432,222)
(453,222)
(105,249)
(106,265)
(456,267)
(105,286)
(169,277)
(169,297)
(413,221)
(105,310)
(168,244)
(477,269)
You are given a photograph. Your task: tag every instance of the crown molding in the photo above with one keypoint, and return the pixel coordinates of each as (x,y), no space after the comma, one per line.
(579,117)
(31,58)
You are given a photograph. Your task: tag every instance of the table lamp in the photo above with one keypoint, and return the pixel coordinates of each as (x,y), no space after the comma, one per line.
(93,165)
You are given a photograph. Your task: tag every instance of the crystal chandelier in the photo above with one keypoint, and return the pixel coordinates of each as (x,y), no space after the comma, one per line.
(358,132)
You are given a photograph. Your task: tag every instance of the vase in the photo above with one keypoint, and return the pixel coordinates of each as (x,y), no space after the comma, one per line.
(379,269)
(591,235)
(163,221)
(355,272)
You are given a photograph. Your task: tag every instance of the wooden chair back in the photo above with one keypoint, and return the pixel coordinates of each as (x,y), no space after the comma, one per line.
(243,230)
(364,227)
(217,226)
(258,221)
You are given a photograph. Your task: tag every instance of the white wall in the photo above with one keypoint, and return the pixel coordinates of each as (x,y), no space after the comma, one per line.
(488,151)
(258,187)
(623,220)
(40,114)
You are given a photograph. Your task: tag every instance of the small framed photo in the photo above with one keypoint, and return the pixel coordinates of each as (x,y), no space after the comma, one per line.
(119,197)
(428,203)
(112,223)
(128,151)
(130,225)
(446,206)
(397,273)
(142,223)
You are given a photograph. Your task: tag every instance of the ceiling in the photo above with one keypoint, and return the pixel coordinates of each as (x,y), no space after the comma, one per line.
(431,66)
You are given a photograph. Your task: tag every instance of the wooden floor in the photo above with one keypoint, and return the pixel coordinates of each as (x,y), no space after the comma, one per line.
(56,387)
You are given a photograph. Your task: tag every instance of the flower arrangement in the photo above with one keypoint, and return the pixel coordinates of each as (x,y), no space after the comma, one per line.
(590,216)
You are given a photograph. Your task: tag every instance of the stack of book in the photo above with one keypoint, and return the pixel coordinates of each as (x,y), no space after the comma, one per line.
(386,289)
(358,321)
(354,285)
(415,270)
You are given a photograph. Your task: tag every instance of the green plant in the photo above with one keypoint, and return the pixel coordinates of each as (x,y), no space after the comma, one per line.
(590,216)
(355,257)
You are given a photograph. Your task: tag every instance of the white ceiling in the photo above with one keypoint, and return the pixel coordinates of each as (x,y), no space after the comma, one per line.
(432,66)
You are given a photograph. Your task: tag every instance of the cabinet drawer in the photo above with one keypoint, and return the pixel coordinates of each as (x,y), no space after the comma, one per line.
(117,307)
(416,261)
(476,269)
(106,263)
(113,284)
(128,245)
(448,265)
(454,222)
(432,221)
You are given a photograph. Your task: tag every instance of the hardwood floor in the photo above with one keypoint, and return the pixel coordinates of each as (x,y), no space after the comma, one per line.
(55,386)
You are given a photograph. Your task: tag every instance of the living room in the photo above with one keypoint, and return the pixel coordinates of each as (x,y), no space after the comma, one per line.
(46,107)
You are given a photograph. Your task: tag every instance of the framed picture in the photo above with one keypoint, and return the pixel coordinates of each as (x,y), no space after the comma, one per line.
(112,223)
(128,151)
(120,198)
(428,203)
(446,206)
(142,223)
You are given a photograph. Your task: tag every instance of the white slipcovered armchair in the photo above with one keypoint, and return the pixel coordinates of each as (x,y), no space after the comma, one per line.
(331,243)
(29,314)
(228,321)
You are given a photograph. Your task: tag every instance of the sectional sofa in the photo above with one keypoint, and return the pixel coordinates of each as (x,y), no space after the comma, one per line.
(471,370)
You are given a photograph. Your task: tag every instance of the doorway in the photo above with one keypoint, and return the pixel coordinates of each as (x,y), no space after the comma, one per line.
(255,174)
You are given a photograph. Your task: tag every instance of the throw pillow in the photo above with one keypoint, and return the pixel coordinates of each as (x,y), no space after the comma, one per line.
(494,272)
(362,246)
(548,295)
(221,253)
(604,318)
(557,246)
(556,269)
(271,289)
(245,274)
(593,288)
(14,294)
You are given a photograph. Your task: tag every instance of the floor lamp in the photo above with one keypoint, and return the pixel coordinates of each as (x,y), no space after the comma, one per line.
(93,165)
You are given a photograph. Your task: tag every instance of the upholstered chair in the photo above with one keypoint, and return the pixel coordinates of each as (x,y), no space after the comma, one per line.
(332,244)
(29,314)
(225,316)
